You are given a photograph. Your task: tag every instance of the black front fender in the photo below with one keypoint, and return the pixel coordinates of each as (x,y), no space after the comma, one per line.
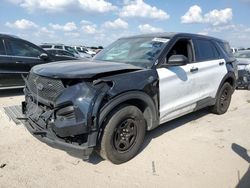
(137,98)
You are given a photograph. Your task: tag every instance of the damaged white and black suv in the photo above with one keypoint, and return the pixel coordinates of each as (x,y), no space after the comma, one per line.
(135,84)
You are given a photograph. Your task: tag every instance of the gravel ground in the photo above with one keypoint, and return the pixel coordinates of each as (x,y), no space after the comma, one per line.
(197,150)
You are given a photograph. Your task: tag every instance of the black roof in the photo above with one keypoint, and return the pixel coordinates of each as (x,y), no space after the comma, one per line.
(8,36)
(173,34)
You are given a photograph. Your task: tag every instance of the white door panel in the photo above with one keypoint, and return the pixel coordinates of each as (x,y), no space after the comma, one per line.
(176,96)
(210,74)
(181,89)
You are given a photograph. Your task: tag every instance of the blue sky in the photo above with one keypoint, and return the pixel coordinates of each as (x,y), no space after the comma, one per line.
(99,22)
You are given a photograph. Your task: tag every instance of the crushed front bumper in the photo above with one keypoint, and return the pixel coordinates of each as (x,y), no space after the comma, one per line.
(52,140)
(65,124)
(63,116)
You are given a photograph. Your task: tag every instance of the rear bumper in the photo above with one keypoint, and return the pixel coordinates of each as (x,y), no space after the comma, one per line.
(47,136)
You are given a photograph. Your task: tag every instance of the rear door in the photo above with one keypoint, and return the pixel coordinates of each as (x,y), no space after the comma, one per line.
(211,68)
(24,56)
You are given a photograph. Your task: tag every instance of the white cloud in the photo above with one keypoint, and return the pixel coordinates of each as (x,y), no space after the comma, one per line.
(138,8)
(218,17)
(202,33)
(84,22)
(89,29)
(247,29)
(146,28)
(70,26)
(44,32)
(96,5)
(49,5)
(62,5)
(237,34)
(220,28)
(22,24)
(116,24)
(193,15)
(214,17)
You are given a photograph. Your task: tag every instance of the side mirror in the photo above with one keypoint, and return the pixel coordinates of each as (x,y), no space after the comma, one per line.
(44,56)
(177,60)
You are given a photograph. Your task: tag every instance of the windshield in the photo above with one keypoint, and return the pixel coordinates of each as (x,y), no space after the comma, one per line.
(135,51)
(244,54)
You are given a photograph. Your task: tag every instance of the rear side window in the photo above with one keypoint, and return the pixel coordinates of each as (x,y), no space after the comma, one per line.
(205,50)
(226,48)
(2,49)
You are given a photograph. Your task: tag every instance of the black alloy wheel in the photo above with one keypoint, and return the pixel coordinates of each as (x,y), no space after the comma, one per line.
(123,134)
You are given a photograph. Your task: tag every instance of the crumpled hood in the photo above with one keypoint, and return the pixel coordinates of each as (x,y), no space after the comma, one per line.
(82,69)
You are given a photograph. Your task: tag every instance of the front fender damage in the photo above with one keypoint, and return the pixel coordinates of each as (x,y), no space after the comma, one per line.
(68,124)
(73,120)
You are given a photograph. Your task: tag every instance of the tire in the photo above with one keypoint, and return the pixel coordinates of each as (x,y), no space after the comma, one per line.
(123,134)
(223,99)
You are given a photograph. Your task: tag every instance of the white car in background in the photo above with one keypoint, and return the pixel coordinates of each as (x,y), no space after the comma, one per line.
(65,47)
(82,49)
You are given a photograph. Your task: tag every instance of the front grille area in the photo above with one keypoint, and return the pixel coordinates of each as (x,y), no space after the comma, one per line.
(45,88)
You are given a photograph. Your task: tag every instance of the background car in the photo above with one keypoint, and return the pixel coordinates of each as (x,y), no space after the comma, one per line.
(82,49)
(61,47)
(17,57)
(62,53)
(243,58)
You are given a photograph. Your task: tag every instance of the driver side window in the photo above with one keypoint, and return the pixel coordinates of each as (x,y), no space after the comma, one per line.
(182,47)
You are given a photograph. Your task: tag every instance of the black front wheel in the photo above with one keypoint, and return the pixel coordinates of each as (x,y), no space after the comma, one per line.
(123,134)
(223,99)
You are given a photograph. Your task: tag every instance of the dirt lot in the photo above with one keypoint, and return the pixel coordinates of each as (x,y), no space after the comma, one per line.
(197,150)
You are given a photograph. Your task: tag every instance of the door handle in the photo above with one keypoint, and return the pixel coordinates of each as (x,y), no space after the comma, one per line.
(194,69)
(221,63)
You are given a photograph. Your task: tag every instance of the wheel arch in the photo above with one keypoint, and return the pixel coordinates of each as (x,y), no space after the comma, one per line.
(137,98)
(230,78)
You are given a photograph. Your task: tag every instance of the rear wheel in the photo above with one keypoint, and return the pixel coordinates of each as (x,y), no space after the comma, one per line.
(223,99)
(123,134)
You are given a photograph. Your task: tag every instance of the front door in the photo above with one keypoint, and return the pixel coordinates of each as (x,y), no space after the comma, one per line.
(178,95)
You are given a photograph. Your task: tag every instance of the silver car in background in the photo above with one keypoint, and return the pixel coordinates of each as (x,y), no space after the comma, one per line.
(243,65)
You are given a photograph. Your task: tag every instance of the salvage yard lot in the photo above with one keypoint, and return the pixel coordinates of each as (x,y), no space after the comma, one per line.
(197,150)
